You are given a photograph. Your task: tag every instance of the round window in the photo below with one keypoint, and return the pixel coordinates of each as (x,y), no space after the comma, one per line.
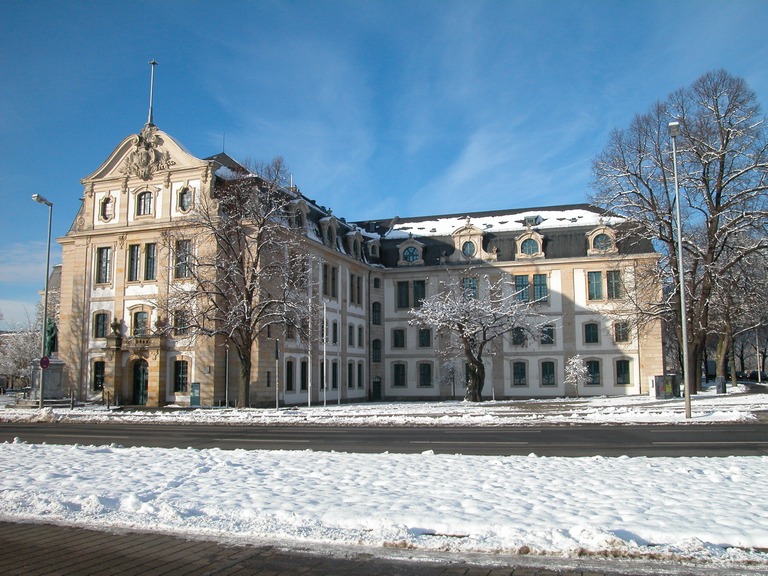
(530,247)
(468,248)
(602,242)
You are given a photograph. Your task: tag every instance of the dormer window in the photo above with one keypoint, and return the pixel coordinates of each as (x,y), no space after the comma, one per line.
(530,245)
(469,249)
(531,221)
(601,241)
(411,252)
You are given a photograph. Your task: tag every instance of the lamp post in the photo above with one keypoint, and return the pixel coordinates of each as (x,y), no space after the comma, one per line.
(674,131)
(41,200)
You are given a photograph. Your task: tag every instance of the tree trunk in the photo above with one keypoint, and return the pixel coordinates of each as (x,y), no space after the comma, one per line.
(244,393)
(475,381)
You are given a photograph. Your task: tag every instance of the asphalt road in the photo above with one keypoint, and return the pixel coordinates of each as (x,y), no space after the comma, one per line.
(582,440)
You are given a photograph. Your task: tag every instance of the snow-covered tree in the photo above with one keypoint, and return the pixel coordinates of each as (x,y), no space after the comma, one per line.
(576,374)
(722,153)
(19,348)
(246,271)
(471,313)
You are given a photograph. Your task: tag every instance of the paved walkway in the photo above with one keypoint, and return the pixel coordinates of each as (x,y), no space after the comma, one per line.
(44,549)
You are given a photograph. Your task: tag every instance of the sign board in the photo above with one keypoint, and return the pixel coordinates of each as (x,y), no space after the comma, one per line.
(45,362)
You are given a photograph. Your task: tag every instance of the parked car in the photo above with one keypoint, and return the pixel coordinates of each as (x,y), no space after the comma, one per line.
(753,376)
(741,375)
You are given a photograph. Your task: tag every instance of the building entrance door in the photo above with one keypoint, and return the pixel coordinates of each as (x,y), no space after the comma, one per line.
(140,381)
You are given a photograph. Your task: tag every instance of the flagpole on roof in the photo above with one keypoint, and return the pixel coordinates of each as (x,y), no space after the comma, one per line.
(152,63)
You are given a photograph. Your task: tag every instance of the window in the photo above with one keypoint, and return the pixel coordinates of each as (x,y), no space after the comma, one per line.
(180,375)
(289,375)
(150,251)
(398,338)
(470,287)
(593,372)
(180,322)
(376,351)
(140,323)
(602,242)
(529,247)
(100,324)
(334,374)
(350,335)
(185,199)
(522,293)
(411,254)
(183,258)
(304,375)
(360,337)
(622,373)
(425,375)
(351,375)
(134,251)
(419,292)
(519,374)
(518,336)
(613,279)
(621,331)
(144,204)
(540,291)
(335,332)
(330,279)
(376,313)
(591,333)
(595,285)
(548,334)
(398,375)
(99,369)
(425,338)
(377,282)
(107,208)
(402,295)
(548,373)
(103,265)
(359,374)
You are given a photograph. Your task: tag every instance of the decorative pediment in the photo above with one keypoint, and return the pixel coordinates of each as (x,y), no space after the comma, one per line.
(469,245)
(411,252)
(601,240)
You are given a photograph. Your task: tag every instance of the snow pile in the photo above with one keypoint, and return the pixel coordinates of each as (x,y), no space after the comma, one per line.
(712,509)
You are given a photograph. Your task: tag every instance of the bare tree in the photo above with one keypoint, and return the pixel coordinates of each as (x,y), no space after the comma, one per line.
(472,318)
(246,271)
(723,164)
(576,374)
(19,348)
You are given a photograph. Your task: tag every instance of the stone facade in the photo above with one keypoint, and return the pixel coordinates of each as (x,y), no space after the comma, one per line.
(366,276)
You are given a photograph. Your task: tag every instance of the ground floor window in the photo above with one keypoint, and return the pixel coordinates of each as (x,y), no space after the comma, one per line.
(425,374)
(548,373)
(180,375)
(304,374)
(289,376)
(99,369)
(519,374)
(593,372)
(622,373)
(398,375)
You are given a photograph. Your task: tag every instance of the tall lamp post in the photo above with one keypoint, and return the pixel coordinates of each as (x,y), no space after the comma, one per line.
(674,131)
(44,331)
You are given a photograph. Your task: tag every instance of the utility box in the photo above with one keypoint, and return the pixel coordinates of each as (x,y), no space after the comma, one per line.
(666,386)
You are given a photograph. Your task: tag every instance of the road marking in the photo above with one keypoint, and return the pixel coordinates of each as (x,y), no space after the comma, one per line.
(465,442)
(271,440)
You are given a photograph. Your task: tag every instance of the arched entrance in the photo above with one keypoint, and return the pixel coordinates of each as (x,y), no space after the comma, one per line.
(140,381)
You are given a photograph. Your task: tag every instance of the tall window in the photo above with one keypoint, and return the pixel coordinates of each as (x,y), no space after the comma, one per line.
(180,322)
(351,375)
(540,292)
(376,350)
(330,279)
(593,372)
(359,374)
(289,375)
(595,285)
(519,377)
(144,204)
(183,258)
(334,332)
(360,337)
(350,335)
(522,293)
(104,265)
(398,375)
(100,324)
(180,375)
(107,208)
(548,334)
(613,279)
(402,295)
(470,287)
(150,252)
(425,338)
(425,375)
(548,373)
(334,374)
(304,381)
(591,333)
(419,292)
(134,251)
(140,323)
(99,369)
(622,373)
(185,199)
(398,338)
(518,336)
(376,313)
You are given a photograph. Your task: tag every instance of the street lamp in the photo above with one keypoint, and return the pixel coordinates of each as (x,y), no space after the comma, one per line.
(674,131)
(41,200)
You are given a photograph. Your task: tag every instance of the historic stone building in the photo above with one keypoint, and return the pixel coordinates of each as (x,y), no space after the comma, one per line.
(368,276)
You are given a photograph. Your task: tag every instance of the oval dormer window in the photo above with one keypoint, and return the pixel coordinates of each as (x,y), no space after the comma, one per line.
(468,249)
(529,247)
(602,242)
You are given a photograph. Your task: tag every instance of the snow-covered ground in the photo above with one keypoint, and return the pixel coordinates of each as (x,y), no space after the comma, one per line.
(699,509)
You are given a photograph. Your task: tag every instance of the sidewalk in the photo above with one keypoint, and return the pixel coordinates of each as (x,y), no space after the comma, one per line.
(44,549)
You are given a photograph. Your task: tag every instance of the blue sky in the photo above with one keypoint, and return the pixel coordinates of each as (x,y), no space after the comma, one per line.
(380,108)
